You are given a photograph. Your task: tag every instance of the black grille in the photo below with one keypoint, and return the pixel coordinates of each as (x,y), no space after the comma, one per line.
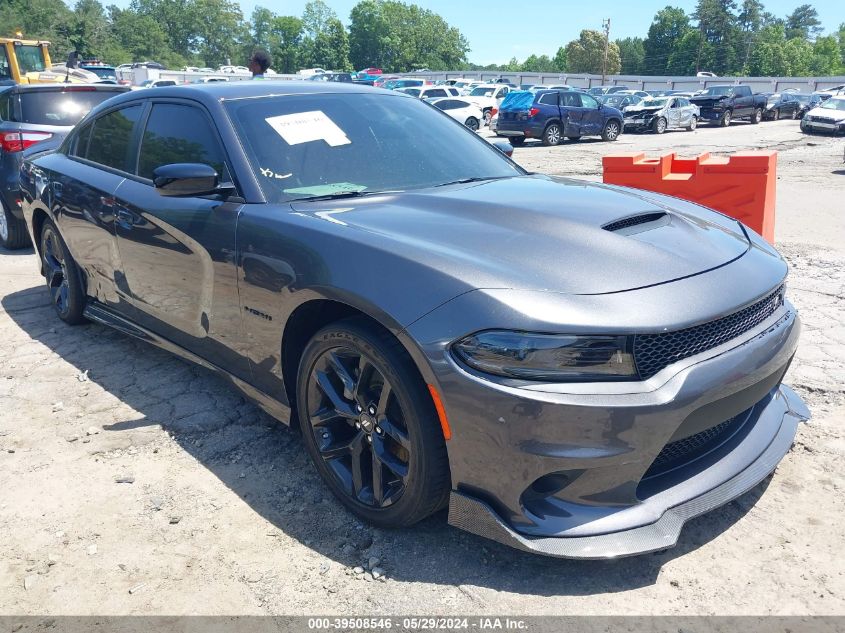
(624,223)
(653,352)
(683,451)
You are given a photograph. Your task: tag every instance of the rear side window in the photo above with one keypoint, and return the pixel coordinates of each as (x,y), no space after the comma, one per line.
(110,138)
(178,134)
(58,107)
(448,104)
(549,98)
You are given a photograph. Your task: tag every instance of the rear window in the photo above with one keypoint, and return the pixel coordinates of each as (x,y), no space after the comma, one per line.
(49,107)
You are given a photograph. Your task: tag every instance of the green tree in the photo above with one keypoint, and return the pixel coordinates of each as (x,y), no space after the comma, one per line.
(826,58)
(285,39)
(538,64)
(330,48)
(749,22)
(586,54)
(692,49)
(632,53)
(717,25)
(803,23)
(178,19)
(561,60)
(218,31)
(140,38)
(666,30)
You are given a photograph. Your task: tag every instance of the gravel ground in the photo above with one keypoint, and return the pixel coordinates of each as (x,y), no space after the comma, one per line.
(135,483)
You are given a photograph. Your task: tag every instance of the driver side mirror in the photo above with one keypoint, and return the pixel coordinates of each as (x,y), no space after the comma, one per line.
(188,180)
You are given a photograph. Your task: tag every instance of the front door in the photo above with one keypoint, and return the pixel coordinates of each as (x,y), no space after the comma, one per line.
(675,113)
(592,117)
(178,254)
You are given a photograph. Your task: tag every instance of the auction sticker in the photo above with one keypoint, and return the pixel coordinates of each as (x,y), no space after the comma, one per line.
(305,127)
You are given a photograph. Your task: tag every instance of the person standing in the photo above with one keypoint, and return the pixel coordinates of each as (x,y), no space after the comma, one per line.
(259,63)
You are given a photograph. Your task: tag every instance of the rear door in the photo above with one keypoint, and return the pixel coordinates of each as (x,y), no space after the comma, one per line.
(674,112)
(179,253)
(82,185)
(571,113)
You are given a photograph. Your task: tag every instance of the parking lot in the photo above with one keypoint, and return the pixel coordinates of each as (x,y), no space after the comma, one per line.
(136,483)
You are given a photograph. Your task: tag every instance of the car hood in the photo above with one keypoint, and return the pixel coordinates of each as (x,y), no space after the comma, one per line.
(836,115)
(538,233)
(634,108)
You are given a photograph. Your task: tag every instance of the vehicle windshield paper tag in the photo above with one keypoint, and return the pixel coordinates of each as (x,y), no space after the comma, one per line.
(304,127)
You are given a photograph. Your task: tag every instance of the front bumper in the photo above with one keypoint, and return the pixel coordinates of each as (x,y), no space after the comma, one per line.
(534,465)
(638,124)
(829,127)
(784,413)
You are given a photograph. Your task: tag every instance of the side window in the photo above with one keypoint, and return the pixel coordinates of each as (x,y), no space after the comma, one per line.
(5,69)
(79,144)
(178,134)
(549,98)
(111,136)
(570,100)
(5,106)
(588,102)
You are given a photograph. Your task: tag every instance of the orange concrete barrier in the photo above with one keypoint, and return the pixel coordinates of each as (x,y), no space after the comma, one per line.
(741,186)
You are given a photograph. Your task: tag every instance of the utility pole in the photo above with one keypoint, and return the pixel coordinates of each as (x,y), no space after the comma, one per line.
(605,25)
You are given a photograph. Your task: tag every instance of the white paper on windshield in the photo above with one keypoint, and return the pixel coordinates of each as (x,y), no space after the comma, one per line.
(304,127)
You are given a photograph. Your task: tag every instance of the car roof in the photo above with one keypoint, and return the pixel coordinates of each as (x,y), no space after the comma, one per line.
(63,87)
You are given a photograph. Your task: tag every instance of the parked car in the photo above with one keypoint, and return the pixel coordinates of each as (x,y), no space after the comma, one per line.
(659,114)
(552,115)
(307,72)
(642,94)
(405,83)
(705,73)
(103,71)
(32,116)
(461,110)
(148,64)
(603,90)
(832,91)
(828,116)
(722,104)
(156,83)
(383,79)
(343,77)
(781,105)
(370,71)
(431,92)
(415,308)
(207,80)
(808,102)
(619,100)
(488,97)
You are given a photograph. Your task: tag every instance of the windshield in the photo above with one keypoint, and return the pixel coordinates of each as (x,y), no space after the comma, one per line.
(101,71)
(833,104)
(654,103)
(718,91)
(321,144)
(30,58)
(481,92)
(54,107)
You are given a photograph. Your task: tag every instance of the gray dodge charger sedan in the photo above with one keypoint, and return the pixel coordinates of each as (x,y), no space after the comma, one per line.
(573,369)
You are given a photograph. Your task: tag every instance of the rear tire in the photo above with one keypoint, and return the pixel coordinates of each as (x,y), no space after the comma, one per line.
(13,233)
(488,116)
(794,115)
(611,130)
(775,115)
(387,462)
(516,141)
(472,123)
(552,135)
(725,121)
(62,275)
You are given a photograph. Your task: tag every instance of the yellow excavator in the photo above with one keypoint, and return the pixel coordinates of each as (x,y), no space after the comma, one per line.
(28,62)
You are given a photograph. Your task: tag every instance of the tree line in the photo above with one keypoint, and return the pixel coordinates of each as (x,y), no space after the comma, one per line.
(726,37)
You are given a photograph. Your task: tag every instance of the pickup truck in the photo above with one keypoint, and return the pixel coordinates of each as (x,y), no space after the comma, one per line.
(723,104)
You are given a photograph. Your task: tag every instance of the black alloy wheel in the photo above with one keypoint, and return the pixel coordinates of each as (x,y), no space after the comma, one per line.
(472,123)
(516,141)
(62,276)
(370,425)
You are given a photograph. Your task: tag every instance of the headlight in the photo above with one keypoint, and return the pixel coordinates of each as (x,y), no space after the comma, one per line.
(549,357)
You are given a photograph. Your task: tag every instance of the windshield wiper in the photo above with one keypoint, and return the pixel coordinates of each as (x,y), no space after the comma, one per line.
(463,181)
(334,196)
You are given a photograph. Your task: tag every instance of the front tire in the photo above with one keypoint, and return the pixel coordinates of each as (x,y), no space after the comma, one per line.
(472,123)
(758,116)
(611,131)
(552,135)
(725,121)
(659,125)
(62,276)
(370,426)
(794,115)
(12,230)
(692,124)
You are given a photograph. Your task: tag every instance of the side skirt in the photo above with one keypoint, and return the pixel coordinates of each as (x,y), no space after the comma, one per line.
(100,314)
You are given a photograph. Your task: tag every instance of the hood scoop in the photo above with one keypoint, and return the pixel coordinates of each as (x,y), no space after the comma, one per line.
(637,223)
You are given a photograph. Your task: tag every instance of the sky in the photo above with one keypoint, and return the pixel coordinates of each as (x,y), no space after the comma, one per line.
(495,35)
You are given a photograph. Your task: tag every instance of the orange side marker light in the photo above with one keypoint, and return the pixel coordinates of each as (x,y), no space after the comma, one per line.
(441,412)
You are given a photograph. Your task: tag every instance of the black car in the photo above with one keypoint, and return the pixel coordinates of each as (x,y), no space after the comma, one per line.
(782,105)
(444,327)
(32,115)
(807,102)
